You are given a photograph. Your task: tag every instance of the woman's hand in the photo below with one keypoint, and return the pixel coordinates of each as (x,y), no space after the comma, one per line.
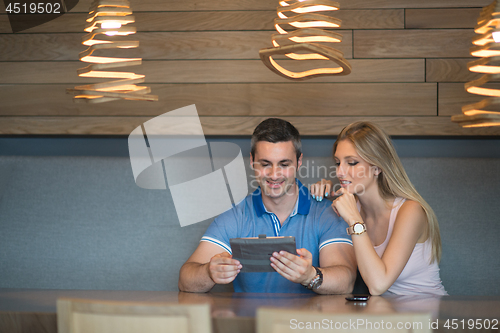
(345,206)
(321,189)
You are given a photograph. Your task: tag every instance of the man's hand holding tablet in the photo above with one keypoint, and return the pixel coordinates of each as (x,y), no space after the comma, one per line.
(223,269)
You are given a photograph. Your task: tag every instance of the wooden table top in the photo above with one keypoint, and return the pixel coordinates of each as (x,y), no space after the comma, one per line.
(21,309)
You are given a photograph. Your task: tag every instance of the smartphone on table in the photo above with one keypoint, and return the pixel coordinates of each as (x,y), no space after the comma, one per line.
(358,298)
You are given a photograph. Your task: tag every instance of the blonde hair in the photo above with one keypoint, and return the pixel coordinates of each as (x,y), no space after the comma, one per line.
(375,147)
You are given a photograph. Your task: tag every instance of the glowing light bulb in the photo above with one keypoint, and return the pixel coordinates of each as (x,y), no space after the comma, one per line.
(496,36)
(111,25)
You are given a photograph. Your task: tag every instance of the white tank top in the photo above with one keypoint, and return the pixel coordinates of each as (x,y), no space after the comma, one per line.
(418,276)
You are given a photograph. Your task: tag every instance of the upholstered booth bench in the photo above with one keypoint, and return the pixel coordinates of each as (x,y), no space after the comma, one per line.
(82,223)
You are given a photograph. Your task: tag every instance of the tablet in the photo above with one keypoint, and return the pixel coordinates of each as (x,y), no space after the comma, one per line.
(254,253)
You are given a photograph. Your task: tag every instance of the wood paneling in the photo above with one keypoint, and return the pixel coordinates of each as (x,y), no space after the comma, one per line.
(449,70)
(4,23)
(371,19)
(409,66)
(441,43)
(412,3)
(153,45)
(68,22)
(219,21)
(39,47)
(452,96)
(195,5)
(235,125)
(325,99)
(213,71)
(451,18)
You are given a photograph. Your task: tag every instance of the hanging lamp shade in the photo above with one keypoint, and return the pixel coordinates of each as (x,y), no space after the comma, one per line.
(302,35)
(108,22)
(485,113)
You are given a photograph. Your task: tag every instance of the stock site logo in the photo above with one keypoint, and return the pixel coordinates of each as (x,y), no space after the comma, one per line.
(204,179)
(24,15)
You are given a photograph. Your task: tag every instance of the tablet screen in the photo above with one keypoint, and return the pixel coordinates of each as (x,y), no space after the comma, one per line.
(254,253)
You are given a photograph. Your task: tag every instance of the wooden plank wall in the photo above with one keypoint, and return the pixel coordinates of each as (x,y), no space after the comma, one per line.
(408,57)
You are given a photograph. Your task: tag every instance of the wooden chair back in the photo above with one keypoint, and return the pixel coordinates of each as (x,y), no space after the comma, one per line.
(273,320)
(93,316)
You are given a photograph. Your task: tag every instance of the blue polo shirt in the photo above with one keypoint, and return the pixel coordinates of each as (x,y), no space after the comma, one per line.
(313,224)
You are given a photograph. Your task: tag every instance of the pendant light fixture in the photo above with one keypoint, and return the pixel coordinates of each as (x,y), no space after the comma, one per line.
(302,36)
(108,23)
(487,49)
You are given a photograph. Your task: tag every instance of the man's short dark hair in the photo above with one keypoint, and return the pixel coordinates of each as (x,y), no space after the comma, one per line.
(276,130)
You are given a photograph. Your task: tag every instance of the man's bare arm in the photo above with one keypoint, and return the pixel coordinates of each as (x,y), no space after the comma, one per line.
(206,267)
(338,264)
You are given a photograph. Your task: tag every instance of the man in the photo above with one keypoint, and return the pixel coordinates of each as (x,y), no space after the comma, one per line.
(281,206)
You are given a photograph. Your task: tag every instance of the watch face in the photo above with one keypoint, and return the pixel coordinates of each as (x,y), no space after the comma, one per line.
(318,279)
(317,284)
(358,228)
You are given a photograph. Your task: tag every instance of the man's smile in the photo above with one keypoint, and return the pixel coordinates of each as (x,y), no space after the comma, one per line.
(275,183)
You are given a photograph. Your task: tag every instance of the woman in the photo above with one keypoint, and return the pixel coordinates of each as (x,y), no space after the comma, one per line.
(394,231)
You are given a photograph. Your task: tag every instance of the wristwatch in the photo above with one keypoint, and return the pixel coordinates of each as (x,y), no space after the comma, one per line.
(316,281)
(356,229)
